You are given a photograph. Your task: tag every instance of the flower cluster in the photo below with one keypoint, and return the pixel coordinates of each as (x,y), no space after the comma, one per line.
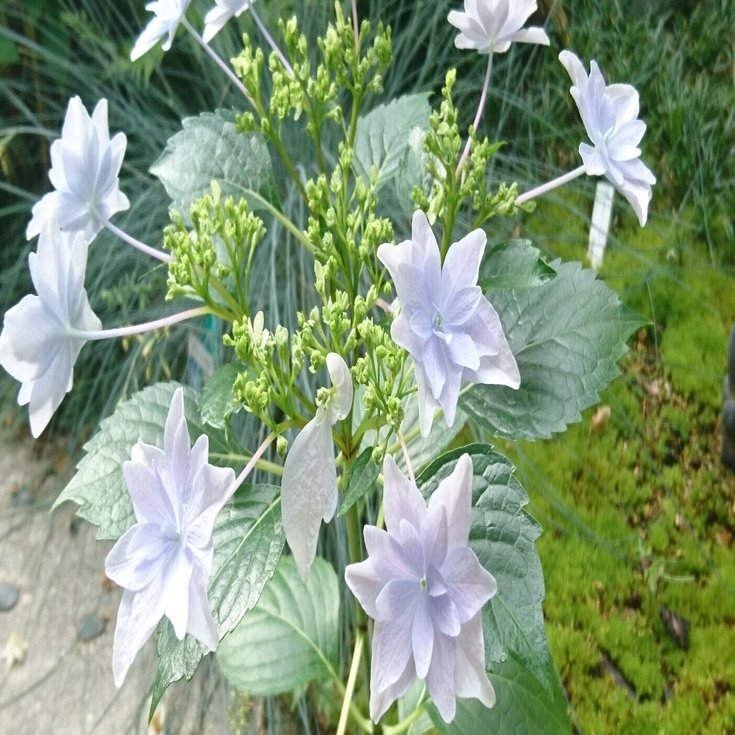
(425,589)
(164,560)
(445,322)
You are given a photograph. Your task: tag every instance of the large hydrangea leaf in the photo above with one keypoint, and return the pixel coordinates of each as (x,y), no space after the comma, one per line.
(208,148)
(567,336)
(503,536)
(290,637)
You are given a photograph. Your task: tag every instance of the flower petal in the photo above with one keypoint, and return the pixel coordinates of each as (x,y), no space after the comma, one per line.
(308,490)
(470,677)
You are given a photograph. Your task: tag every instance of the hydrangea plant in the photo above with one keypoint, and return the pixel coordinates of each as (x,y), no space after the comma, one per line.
(340,432)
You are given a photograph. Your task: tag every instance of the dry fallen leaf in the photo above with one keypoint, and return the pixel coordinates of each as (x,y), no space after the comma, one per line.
(15,650)
(723,536)
(600,418)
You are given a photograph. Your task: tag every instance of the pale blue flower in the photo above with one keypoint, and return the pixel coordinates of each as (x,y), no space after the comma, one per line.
(425,589)
(450,329)
(216,18)
(490,26)
(168,15)
(309,484)
(85,166)
(165,559)
(610,117)
(35,345)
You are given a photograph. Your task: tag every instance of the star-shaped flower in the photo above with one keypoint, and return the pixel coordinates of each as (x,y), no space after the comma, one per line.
(169,13)
(490,26)
(425,589)
(450,329)
(610,117)
(216,18)
(309,485)
(85,166)
(165,559)
(35,345)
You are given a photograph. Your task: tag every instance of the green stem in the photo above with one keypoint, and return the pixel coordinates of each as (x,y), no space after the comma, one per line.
(406,723)
(289,166)
(351,679)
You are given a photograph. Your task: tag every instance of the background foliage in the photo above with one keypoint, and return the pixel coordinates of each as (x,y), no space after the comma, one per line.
(635,505)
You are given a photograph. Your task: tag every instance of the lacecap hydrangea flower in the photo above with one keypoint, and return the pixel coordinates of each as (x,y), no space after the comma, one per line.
(168,16)
(164,561)
(36,347)
(610,117)
(309,485)
(216,18)
(85,166)
(445,322)
(425,589)
(490,26)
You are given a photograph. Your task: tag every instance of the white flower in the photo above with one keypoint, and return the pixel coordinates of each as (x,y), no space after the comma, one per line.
(35,345)
(85,165)
(490,26)
(450,329)
(425,589)
(309,485)
(610,117)
(219,15)
(165,559)
(169,13)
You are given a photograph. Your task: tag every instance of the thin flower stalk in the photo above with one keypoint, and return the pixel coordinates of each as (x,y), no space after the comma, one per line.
(137,244)
(271,42)
(478,115)
(220,63)
(550,185)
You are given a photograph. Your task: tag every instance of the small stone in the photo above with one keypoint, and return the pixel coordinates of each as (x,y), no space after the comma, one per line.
(22,497)
(8,596)
(90,627)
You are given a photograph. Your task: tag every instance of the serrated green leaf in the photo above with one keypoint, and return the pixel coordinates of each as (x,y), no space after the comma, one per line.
(514,265)
(290,637)
(382,135)
(503,536)
(360,479)
(567,336)
(209,148)
(522,706)
(217,403)
(98,486)
(248,541)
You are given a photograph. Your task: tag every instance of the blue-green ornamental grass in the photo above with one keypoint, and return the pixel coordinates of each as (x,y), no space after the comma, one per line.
(447,621)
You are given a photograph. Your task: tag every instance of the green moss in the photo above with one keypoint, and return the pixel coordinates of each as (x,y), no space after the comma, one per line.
(638,513)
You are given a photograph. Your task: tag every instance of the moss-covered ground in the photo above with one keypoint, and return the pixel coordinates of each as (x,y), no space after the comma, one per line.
(638,512)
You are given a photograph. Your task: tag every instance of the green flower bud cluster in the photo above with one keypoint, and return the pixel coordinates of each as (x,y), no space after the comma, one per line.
(212,260)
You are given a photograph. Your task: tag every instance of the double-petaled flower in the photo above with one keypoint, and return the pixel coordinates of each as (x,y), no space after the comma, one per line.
(309,485)
(490,26)
(445,322)
(425,589)
(164,560)
(85,166)
(216,18)
(40,341)
(610,117)
(168,16)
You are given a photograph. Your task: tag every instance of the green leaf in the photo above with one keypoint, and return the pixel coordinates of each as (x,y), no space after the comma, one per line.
(98,486)
(248,542)
(567,336)
(360,479)
(210,148)
(522,706)
(217,402)
(290,637)
(503,536)
(514,265)
(382,135)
